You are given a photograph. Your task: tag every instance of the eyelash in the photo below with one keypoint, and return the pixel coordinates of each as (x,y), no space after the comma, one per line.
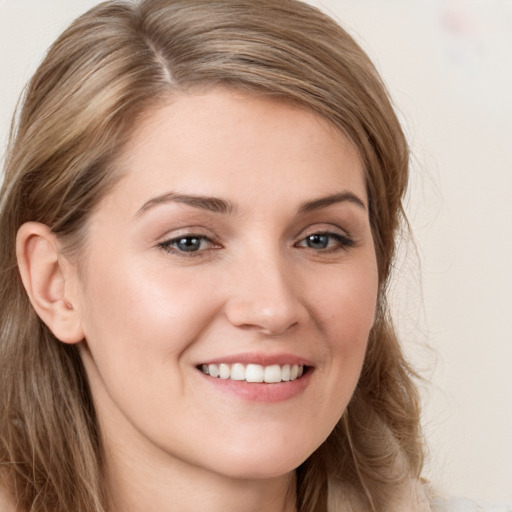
(167,245)
(341,242)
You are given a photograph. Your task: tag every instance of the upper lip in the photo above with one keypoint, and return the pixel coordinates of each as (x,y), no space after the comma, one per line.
(259,358)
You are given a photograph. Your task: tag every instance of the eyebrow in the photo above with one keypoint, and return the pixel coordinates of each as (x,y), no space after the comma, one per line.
(212,204)
(324,202)
(217,205)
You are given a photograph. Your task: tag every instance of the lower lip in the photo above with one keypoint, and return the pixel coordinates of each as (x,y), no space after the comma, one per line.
(261,391)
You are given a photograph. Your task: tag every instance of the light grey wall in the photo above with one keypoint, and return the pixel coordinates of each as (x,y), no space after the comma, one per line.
(448,65)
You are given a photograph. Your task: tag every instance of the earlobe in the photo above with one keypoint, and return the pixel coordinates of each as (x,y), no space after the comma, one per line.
(46,278)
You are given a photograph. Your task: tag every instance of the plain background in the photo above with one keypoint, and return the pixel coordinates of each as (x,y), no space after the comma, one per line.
(448,65)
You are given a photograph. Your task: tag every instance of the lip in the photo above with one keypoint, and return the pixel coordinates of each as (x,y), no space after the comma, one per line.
(259,392)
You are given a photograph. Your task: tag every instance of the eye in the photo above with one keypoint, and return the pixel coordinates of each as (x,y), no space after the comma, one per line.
(326,241)
(187,244)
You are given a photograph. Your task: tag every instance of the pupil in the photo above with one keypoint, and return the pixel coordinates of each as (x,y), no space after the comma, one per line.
(189,244)
(318,241)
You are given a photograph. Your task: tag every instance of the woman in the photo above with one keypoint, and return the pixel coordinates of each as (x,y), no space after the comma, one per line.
(199,213)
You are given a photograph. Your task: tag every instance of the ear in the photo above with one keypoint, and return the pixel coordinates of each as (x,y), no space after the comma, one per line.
(48,279)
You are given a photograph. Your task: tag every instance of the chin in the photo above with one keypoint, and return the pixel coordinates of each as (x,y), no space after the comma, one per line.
(265,460)
(259,470)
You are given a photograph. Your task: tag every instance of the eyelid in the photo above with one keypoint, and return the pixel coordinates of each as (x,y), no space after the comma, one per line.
(324,228)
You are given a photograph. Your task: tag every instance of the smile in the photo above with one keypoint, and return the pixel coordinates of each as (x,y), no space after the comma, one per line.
(254,372)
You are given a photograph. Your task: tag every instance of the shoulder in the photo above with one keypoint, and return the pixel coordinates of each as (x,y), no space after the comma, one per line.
(419,496)
(466,505)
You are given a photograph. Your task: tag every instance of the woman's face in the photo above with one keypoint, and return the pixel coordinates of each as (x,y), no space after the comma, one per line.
(237,242)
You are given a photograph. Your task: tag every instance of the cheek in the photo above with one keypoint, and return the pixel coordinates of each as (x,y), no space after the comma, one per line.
(139,323)
(347,310)
(346,313)
(133,309)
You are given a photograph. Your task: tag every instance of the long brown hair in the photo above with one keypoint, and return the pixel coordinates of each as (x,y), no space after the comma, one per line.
(111,66)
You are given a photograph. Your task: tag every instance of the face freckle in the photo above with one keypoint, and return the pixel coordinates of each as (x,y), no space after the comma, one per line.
(239,235)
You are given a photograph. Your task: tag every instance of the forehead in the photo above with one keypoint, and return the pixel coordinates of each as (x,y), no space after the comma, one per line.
(228,142)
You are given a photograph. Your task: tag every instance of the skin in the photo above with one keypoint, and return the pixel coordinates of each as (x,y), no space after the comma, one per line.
(147,314)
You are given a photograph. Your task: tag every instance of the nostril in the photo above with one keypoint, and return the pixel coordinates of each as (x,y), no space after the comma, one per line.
(271,319)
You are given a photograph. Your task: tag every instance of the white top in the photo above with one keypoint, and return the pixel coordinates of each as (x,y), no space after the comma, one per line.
(465,505)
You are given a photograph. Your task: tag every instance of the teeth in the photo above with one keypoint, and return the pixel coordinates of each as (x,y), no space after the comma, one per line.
(254,372)
(272,373)
(224,371)
(213,370)
(238,372)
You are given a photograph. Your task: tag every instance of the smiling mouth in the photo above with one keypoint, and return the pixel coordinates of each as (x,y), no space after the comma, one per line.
(271,374)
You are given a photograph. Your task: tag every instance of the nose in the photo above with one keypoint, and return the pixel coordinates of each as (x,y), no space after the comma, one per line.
(265,296)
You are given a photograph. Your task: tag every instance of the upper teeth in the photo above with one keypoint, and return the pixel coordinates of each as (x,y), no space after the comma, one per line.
(254,372)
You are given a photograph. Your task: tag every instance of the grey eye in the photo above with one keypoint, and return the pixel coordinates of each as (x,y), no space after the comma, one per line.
(317,241)
(188,243)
